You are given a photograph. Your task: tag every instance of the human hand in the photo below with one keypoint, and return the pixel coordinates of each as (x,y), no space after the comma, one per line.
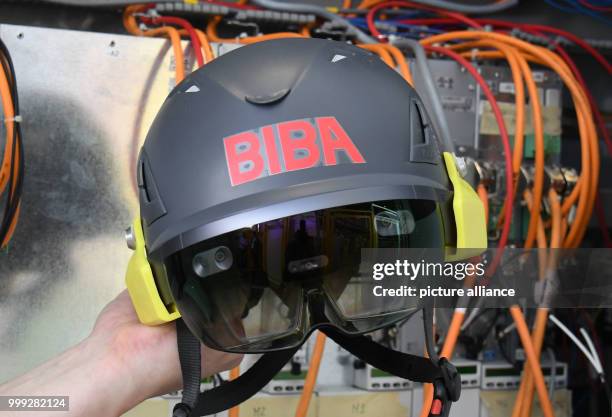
(120,364)
(149,353)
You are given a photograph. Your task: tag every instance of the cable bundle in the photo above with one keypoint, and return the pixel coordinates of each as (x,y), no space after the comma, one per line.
(442,29)
(12,168)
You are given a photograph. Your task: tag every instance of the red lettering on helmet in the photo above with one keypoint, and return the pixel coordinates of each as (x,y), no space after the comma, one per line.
(295,136)
(329,128)
(301,144)
(243,158)
(273,160)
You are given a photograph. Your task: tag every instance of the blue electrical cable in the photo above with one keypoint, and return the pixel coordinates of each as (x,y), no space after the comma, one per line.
(385,32)
(362,23)
(573,6)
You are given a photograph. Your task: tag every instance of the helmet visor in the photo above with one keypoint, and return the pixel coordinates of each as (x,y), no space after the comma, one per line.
(267,287)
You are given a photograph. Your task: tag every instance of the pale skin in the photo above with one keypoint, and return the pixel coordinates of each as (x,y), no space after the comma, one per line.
(119,365)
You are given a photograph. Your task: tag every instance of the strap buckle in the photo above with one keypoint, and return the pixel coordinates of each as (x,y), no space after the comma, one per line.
(446,389)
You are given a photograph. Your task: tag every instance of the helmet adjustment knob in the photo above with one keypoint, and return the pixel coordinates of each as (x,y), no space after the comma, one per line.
(130,238)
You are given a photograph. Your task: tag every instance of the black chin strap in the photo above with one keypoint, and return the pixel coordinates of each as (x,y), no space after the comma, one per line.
(443,375)
(190,358)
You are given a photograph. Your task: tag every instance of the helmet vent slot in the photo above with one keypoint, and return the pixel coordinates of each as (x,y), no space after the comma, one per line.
(422,147)
(151,205)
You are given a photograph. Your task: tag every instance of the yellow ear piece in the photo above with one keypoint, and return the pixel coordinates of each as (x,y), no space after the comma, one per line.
(141,285)
(469,215)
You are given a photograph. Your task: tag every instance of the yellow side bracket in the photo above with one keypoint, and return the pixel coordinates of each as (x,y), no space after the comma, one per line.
(141,286)
(469,215)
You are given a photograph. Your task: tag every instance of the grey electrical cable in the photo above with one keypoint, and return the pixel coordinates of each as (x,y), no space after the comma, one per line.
(101,3)
(318,11)
(321,12)
(578,343)
(591,346)
(496,6)
(427,90)
(553,372)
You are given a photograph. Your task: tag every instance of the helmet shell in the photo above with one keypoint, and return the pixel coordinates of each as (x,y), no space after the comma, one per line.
(187,191)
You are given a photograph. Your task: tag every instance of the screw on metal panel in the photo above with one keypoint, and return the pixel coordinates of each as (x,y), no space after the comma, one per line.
(20,35)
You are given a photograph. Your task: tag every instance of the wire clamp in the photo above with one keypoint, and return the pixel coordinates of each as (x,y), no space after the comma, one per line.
(474,54)
(14,119)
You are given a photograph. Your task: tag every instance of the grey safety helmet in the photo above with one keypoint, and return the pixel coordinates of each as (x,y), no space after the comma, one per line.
(261,179)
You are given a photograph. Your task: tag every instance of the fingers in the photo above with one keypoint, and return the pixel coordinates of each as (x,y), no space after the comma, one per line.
(215,361)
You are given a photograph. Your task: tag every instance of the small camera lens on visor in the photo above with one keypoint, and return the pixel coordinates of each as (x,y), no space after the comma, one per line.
(212,261)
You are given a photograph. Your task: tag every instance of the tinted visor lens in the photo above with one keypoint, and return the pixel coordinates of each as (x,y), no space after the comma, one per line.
(267,287)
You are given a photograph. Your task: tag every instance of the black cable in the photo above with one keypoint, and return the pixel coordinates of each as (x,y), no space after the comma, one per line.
(8,72)
(10,192)
(429,336)
(317,10)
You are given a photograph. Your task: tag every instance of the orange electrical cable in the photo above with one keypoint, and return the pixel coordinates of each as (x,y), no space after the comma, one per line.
(509,52)
(381,51)
(589,146)
(129,22)
(428,396)
(9,117)
(211,32)
(484,198)
(511,55)
(590,152)
(206,47)
(391,56)
(453,330)
(539,326)
(448,348)
(514,58)
(211,27)
(234,411)
(588,142)
(311,376)
(452,337)
(556,239)
(366,4)
(7,167)
(525,397)
(532,359)
(542,244)
(585,131)
(269,36)
(12,227)
(577,192)
(541,236)
(400,59)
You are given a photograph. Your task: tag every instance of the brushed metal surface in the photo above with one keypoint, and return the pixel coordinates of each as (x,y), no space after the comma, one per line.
(87,100)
